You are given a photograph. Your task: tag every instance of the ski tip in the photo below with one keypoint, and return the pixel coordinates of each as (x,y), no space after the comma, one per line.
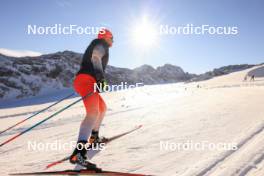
(49,166)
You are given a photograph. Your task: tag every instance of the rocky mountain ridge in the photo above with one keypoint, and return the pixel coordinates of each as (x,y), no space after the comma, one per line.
(30,76)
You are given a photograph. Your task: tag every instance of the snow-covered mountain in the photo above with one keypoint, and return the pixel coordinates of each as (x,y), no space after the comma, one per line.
(29,76)
(222,71)
(18,53)
(148,75)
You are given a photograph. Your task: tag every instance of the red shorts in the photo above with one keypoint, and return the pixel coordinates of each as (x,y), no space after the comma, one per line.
(94,104)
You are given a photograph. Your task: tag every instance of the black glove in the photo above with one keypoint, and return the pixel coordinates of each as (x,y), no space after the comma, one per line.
(101,85)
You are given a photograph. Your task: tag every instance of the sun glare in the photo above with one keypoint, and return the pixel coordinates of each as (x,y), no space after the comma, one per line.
(144,34)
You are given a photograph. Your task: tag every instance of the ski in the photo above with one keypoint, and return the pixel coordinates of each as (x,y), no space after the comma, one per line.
(91,153)
(80,172)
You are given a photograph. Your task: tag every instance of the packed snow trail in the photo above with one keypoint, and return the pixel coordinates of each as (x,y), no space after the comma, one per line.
(173,113)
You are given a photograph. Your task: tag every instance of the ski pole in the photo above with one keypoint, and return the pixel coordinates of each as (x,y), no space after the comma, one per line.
(44,120)
(36,113)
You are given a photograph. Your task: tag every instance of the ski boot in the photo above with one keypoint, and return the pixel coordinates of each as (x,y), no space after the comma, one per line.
(95,139)
(79,157)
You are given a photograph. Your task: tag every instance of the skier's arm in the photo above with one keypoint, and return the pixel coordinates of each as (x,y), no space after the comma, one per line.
(98,53)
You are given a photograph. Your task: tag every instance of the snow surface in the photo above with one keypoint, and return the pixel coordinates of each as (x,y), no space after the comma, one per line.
(18,53)
(225,109)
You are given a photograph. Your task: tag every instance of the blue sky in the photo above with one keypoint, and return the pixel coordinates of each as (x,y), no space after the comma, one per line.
(194,53)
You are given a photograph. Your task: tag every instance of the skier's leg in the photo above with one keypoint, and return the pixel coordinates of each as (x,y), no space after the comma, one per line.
(92,112)
(102,110)
(83,85)
(86,128)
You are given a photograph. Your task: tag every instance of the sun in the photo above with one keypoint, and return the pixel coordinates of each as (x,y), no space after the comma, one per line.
(144,34)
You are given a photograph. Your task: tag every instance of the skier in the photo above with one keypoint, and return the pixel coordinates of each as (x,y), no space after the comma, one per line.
(252,78)
(91,72)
